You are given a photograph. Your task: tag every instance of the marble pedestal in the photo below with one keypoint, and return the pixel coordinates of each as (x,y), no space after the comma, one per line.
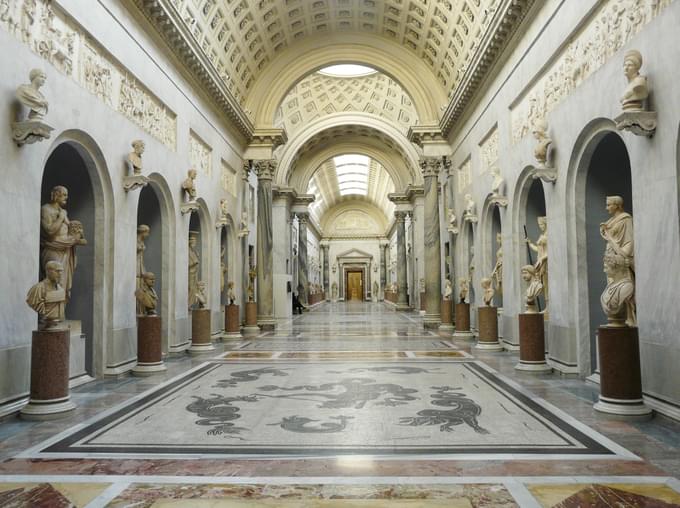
(200,332)
(488,330)
(149,348)
(446,326)
(232,327)
(50,397)
(532,344)
(422,301)
(620,377)
(251,327)
(463,321)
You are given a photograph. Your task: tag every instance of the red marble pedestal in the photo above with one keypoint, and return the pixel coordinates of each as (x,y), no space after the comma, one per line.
(532,344)
(422,301)
(620,376)
(251,327)
(149,346)
(463,321)
(232,325)
(488,329)
(50,395)
(200,332)
(446,326)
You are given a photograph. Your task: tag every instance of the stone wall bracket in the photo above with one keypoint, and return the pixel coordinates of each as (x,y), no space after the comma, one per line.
(188,207)
(497,200)
(640,123)
(548,175)
(30,131)
(134,182)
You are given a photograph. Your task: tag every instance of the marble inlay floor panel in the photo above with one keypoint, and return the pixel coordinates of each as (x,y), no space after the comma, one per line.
(419,407)
(362,343)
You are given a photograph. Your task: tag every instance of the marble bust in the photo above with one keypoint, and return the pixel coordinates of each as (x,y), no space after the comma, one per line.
(146,296)
(453,222)
(497,183)
(448,290)
(464,288)
(231,295)
(618,298)
(470,213)
(135,157)
(636,93)
(201,298)
(534,288)
(540,132)
(243,227)
(59,236)
(488,290)
(189,185)
(224,209)
(48,298)
(30,95)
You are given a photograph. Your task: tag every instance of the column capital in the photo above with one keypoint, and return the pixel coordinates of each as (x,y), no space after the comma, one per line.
(400,216)
(264,168)
(431,166)
(303,217)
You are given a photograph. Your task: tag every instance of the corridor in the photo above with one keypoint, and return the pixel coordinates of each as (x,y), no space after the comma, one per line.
(347,402)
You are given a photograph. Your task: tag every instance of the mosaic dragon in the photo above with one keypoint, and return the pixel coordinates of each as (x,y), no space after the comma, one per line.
(464,410)
(218,413)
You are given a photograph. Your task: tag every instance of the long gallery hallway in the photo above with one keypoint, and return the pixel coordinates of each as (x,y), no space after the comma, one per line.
(350,404)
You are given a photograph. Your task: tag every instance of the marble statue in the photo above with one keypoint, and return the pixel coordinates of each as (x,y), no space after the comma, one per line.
(243,229)
(541,250)
(30,95)
(334,290)
(376,288)
(448,290)
(453,222)
(194,267)
(224,209)
(540,132)
(534,289)
(252,274)
(636,93)
(422,285)
(146,296)
(488,290)
(143,232)
(618,298)
(231,294)
(498,188)
(48,298)
(470,213)
(189,185)
(135,157)
(464,288)
(223,269)
(201,297)
(497,273)
(59,236)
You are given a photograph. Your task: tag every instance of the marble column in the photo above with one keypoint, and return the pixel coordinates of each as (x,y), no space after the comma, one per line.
(265,260)
(431,166)
(303,278)
(383,268)
(402,299)
(244,240)
(326,274)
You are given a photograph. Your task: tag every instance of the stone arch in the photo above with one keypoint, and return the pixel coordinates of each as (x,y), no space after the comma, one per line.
(585,262)
(490,224)
(374,51)
(97,265)
(290,152)
(200,220)
(227,239)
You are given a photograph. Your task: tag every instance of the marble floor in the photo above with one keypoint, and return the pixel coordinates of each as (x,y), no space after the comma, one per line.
(347,405)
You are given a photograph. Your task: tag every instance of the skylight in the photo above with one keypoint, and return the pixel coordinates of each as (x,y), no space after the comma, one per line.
(352,174)
(347,71)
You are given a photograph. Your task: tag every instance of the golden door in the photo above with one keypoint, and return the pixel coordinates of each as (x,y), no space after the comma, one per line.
(355,285)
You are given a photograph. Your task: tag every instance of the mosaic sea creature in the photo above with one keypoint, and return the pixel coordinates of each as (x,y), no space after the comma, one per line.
(464,410)
(302,424)
(392,369)
(218,412)
(245,376)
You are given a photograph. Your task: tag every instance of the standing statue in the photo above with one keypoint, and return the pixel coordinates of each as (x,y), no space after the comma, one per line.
(448,290)
(334,290)
(231,295)
(243,229)
(194,267)
(189,185)
(488,290)
(59,236)
(534,289)
(200,298)
(464,288)
(541,250)
(453,222)
(48,298)
(540,133)
(618,298)
(251,286)
(223,270)
(224,209)
(636,92)
(135,157)
(497,273)
(30,95)
(143,232)
(618,233)
(146,296)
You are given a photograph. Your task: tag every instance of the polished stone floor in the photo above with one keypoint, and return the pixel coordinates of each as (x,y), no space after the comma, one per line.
(347,405)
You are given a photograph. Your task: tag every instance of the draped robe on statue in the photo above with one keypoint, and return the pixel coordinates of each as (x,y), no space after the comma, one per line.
(59,246)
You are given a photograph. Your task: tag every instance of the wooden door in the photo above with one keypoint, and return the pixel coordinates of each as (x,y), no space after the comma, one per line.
(355,286)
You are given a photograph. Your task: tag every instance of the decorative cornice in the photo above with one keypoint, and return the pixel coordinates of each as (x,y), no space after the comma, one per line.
(167,22)
(399,198)
(400,216)
(304,200)
(424,134)
(507,20)
(265,168)
(270,138)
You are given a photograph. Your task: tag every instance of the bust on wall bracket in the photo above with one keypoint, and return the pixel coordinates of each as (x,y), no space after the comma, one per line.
(470,213)
(635,118)
(222,214)
(189,191)
(498,189)
(32,129)
(135,180)
(543,153)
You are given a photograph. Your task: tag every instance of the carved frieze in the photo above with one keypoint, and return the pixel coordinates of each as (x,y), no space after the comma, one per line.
(489,151)
(200,154)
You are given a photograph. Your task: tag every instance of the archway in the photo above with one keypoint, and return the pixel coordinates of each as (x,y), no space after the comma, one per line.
(495,243)
(533,210)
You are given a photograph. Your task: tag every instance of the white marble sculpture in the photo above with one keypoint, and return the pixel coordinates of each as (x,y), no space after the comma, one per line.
(143,232)
(544,169)
(463,289)
(135,180)
(48,298)
(194,267)
(498,188)
(223,269)
(541,250)
(29,95)
(243,226)
(146,296)
(231,294)
(448,289)
(452,222)
(470,213)
(201,297)
(59,237)
(534,289)
(618,298)
(487,290)
(497,273)
(252,274)
(190,193)
(635,117)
